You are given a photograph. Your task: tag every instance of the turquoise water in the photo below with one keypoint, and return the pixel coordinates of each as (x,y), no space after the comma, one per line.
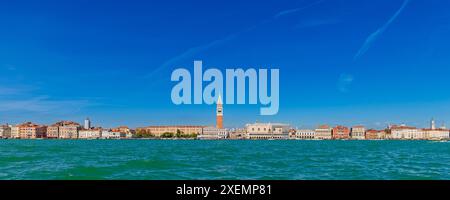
(176,159)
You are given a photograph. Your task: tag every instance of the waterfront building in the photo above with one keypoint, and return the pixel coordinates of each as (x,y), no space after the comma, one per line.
(125,132)
(219,113)
(304,134)
(53,132)
(30,130)
(436,134)
(358,133)
(267,131)
(371,134)
(324,132)
(111,134)
(376,135)
(237,133)
(5,131)
(87,124)
(63,130)
(213,133)
(93,133)
(404,132)
(157,131)
(15,132)
(341,132)
(382,135)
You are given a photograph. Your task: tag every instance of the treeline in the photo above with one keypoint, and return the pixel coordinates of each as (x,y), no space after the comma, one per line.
(178,134)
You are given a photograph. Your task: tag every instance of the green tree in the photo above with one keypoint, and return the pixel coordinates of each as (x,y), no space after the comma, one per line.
(167,135)
(179,133)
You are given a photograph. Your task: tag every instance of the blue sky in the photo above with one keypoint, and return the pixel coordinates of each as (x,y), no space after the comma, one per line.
(341,61)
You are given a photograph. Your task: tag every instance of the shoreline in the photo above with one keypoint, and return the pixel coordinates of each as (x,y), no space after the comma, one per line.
(191,139)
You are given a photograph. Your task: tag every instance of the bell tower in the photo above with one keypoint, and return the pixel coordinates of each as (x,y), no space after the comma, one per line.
(219,113)
(433,124)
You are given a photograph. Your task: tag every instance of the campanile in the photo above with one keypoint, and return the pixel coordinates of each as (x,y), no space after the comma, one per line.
(219,113)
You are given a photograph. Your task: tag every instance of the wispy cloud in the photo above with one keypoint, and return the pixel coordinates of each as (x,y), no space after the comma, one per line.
(373,37)
(16,90)
(192,52)
(344,82)
(42,104)
(295,10)
(9,91)
(25,99)
(9,67)
(188,54)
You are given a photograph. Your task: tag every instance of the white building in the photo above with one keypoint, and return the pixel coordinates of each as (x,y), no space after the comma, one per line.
(404,132)
(436,133)
(15,132)
(267,131)
(324,132)
(87,124)
(304,134)
(213,133)
(93,133)
(358,133)
(111,134)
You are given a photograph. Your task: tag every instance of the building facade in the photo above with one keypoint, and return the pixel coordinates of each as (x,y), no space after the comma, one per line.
(376,135)
(404,132)
(436,134)
(213,133)
(53,132)
(15,132)
(341,132)
(324,132)
(125,132)
(93,133)
(5,131)
(358,133)
(30,130)
(157,131)
(267,131)
(111,134)
(63,130)
(237,133)
(371,134)
(304,134)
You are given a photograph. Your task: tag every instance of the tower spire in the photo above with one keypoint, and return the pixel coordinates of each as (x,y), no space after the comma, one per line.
(219,100)
(433,124)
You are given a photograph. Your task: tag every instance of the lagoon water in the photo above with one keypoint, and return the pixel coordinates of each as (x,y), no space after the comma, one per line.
(193,159)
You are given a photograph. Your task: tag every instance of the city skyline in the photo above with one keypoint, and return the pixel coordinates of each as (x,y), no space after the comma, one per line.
(254,131)
(221,124)
(341,62)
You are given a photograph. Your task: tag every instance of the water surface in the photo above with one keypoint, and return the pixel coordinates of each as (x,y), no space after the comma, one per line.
(189,159)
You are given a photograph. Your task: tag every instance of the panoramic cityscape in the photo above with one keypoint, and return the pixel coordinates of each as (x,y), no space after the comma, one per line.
(224,90)
(252,131)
